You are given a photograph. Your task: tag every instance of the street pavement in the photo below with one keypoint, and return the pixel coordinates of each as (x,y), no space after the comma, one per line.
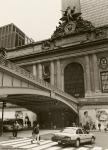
(23,142)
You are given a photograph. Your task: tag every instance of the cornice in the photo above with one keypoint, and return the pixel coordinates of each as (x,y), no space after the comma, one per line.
(65,52)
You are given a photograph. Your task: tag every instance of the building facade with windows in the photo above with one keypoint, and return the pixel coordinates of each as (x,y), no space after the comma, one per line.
(11,36)
(75,60)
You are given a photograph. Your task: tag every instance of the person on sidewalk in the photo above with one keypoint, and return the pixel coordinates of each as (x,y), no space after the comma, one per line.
(99,126)
(15,129)
(35,133)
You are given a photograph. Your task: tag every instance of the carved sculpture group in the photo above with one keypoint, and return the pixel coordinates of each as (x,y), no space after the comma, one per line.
(71,22)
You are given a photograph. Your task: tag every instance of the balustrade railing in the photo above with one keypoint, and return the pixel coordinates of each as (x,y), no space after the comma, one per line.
(6,63)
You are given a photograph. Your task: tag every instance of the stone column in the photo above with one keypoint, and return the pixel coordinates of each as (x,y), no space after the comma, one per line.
(62,80)
(52,72)
(58,74)
(35,71)
(88,80)
(96,73)
(39,71)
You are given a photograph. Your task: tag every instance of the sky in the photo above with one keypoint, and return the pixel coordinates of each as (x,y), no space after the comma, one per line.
(36,18)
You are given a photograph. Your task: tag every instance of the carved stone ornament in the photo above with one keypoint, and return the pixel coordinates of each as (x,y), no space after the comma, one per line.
(70,23)
(46,45)
(103,63)
(70,27)
(100,34)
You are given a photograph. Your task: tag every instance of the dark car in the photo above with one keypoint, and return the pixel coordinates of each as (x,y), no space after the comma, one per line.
(8,124)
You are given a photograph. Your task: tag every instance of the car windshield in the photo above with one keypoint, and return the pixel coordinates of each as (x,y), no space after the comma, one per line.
(72,131)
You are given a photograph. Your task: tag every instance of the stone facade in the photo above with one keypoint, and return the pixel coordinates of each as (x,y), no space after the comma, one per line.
(74,60)
(88,49)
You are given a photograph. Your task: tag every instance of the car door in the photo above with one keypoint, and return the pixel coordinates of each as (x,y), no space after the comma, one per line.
(87,136)
(81,135)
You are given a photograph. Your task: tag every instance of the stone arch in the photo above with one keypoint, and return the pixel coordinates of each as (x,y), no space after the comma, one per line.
(53,108)
(74,80)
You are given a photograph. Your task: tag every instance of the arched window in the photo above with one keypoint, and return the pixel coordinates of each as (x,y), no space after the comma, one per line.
(74,80)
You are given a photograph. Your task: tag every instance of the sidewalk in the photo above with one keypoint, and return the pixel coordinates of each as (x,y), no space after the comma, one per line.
(22,134)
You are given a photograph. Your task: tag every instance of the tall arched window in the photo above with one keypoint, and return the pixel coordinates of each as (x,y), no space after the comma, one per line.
(74,80)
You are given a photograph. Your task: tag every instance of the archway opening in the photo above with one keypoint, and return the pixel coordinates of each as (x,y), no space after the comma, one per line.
(74,80)
(51,113)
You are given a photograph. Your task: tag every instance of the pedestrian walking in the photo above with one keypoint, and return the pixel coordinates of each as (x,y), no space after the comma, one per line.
(93,126)
(15,129)
(99,126)
(35,133)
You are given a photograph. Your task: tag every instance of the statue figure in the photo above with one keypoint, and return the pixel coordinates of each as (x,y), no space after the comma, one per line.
(68,14)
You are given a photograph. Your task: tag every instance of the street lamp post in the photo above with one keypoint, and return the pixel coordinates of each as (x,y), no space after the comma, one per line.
(3,106)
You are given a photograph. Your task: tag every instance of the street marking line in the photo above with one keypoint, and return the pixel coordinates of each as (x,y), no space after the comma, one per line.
(83,148)
(35,144)
(8,141)
(89,146)
(14,143)
(97,148)
(68,148)
(24,143)
(53,148)
(44,146)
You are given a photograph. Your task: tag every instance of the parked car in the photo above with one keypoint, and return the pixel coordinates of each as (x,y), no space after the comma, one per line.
(8,124)
(73,135)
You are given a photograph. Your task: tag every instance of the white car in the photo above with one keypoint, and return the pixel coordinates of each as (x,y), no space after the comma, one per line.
(73,135)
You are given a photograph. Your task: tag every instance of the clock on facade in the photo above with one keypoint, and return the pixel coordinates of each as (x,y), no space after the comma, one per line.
(103,63)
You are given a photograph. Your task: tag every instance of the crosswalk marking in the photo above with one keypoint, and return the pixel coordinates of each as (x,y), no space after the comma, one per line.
(22,144)
(69,148)
(15,140)
(82,148)
(25,143)
(34,145)
(97,148)
(54,148)
(44,146)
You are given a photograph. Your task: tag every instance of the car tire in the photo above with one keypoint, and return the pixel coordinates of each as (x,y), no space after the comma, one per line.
(92,140)
(77,143)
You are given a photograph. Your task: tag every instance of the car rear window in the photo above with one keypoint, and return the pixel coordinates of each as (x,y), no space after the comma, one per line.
(72,131)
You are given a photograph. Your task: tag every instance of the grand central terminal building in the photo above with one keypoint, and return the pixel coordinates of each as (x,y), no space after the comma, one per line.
(75,60)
